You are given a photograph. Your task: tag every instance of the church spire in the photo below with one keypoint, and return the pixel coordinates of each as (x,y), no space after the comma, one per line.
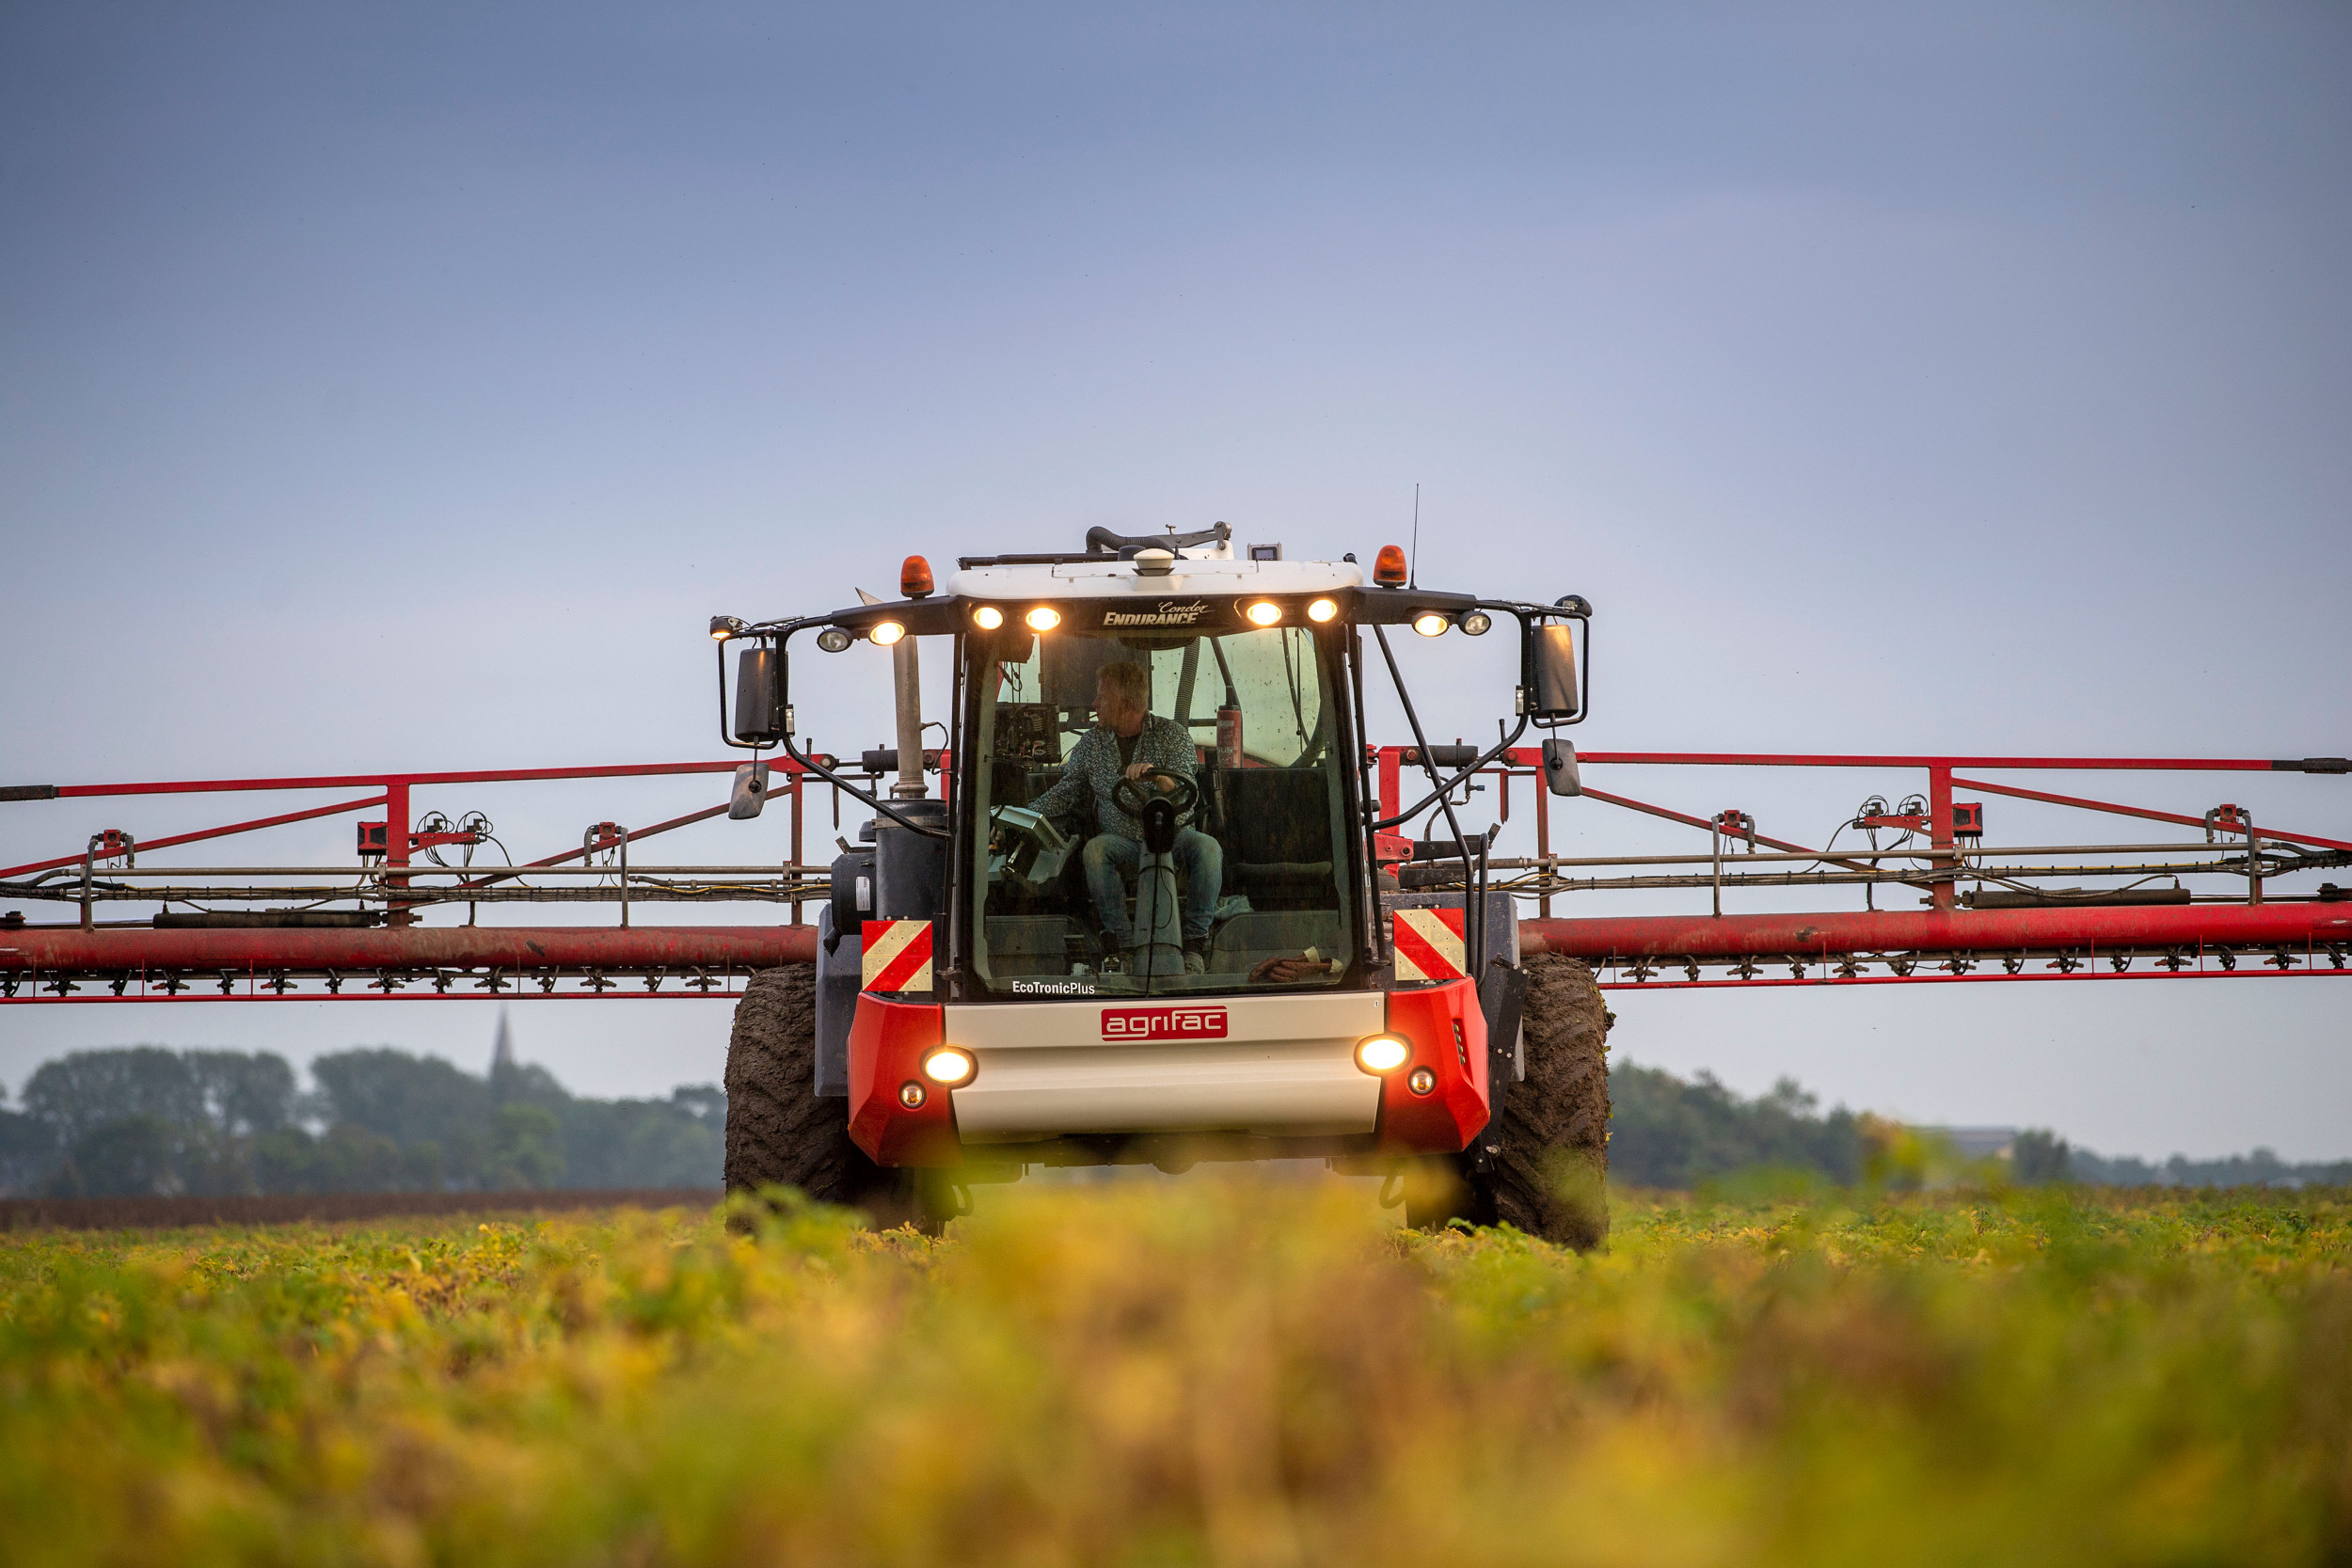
(501,1061)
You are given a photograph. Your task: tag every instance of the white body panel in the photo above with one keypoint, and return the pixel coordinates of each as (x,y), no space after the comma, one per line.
(1118,579)
(1281,1066)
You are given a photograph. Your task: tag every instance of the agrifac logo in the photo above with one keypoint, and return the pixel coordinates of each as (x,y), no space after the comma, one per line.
(1167,613)
(1163,1023)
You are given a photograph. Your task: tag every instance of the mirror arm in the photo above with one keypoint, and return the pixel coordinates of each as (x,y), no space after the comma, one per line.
(1474,921)
(1521,613)
(784,635)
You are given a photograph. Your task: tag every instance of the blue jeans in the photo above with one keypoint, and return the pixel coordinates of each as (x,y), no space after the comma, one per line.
(1111,860)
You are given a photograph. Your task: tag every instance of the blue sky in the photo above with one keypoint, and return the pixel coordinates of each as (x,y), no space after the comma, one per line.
(403,389)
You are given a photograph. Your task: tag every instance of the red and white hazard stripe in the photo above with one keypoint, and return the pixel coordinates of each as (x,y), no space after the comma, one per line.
(1428,944)
(896,955)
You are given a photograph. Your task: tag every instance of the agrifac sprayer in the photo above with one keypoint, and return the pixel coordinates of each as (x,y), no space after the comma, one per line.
(1140,901)
(1146,918)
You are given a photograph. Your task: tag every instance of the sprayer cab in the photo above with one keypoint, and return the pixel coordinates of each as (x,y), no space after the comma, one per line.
(1148,909)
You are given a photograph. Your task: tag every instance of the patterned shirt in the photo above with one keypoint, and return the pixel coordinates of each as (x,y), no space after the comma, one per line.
(1094,765)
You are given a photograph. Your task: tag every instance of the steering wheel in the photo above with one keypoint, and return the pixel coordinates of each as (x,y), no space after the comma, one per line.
(1128,793)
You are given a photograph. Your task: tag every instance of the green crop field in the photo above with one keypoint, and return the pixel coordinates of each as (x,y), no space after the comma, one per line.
(1198,1372)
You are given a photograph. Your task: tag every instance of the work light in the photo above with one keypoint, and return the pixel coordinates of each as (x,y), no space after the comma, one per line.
(1380,1053)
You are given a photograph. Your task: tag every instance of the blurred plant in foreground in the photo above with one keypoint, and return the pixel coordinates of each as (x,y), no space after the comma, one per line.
(1218,1371)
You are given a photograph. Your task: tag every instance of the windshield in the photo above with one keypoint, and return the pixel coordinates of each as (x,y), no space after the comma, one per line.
(1084,737)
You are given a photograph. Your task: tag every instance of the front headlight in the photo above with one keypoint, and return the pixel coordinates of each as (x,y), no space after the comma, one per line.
(1381,1054)
(948,1065)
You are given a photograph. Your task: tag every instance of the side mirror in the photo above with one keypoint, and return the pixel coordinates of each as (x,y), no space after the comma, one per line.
(760,714)
(751,792)
(1551,693)
(1560,775)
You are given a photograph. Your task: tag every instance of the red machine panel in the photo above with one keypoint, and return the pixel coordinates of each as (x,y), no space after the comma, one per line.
(887,1041)
(1448,1034)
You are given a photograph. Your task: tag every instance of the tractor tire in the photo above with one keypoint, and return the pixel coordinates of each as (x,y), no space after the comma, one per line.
(781,1134)
(1550,1179)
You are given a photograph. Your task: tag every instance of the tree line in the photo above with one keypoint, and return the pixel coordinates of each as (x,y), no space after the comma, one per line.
(143,1119)
(148,1120)
(1668,1132)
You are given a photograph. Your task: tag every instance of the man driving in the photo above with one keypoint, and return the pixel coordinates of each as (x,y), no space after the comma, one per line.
(1127,742)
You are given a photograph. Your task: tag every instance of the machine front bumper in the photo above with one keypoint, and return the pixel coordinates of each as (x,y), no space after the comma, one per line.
(1262,1075)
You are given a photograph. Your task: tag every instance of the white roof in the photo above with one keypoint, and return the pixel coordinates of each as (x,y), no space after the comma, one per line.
(1192,574)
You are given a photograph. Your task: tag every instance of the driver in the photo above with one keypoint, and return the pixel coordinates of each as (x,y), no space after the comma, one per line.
(1127,742)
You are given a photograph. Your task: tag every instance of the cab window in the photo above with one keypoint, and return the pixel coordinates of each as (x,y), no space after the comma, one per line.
(1249,718)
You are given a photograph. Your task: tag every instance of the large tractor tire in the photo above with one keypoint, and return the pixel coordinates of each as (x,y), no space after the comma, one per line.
(780,1134)
(1550,1179)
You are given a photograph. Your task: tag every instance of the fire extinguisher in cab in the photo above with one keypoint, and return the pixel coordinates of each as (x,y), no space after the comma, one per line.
(1229,738)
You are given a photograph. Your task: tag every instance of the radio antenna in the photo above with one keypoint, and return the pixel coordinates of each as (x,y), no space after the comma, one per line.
(1412,578)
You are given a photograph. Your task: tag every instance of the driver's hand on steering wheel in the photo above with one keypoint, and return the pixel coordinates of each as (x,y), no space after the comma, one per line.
(1135,770)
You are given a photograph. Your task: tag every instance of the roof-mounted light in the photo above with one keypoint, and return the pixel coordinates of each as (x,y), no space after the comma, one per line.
(1387,568)
(1475,623)
(1430,623)
(886,633)
(1265,613)
(832,639)
(915,578)
(724,627)
(988,617)
(1322,610)
(1043,617)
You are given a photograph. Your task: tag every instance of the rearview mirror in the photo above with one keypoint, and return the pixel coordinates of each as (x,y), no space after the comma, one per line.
(1560,775)
(1551,693)
(760,714)
(751,792)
